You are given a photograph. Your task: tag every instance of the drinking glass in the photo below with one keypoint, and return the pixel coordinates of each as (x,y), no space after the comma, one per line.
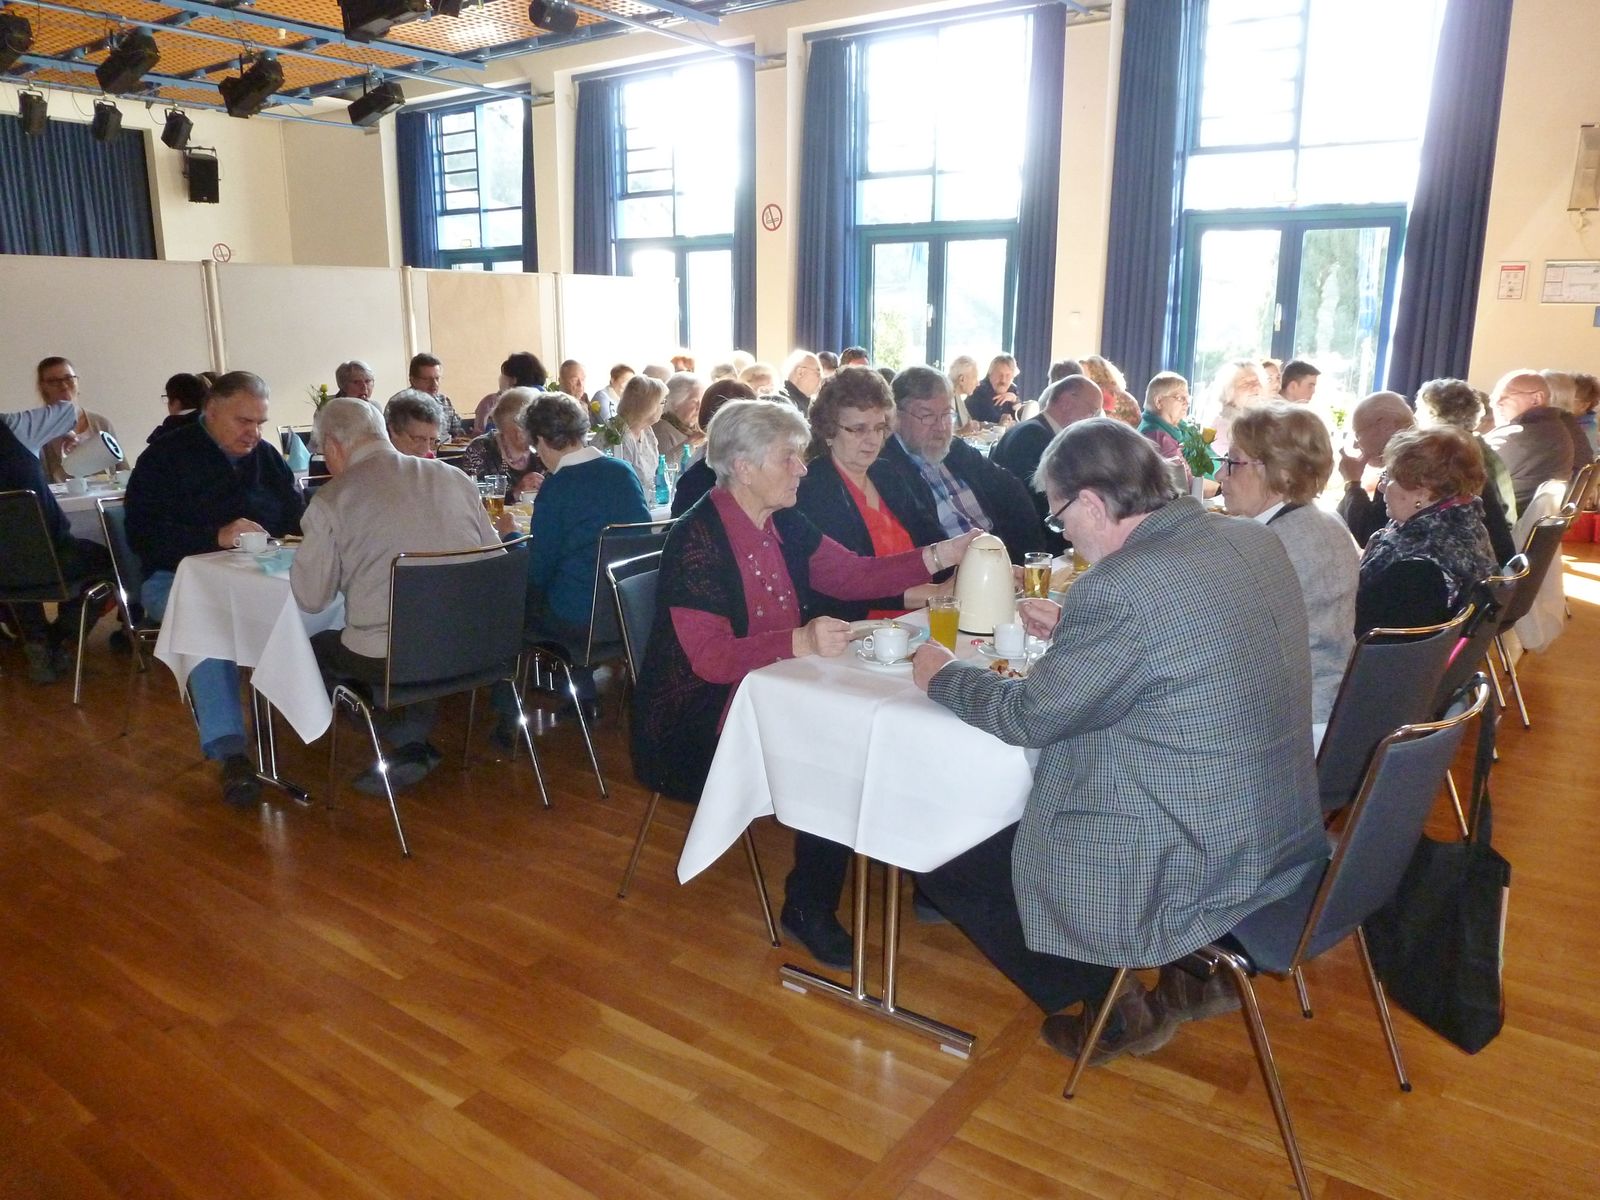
(944,615)
(1036,575)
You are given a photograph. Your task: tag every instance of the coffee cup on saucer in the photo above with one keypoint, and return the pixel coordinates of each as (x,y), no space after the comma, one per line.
(253,541)
(77,485)
(1009,640)
(890,643)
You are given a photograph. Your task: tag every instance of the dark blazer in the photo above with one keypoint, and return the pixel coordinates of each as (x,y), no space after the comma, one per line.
(1009,507)
(184,489)
(692,484)
(984,405)
(824,499)
(1019,452)
(796,397)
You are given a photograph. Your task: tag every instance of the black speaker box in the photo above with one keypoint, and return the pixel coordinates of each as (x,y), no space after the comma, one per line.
(202,172)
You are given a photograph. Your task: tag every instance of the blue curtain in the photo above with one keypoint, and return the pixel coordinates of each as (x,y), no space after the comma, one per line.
(1041,190)
(594,182)
(1444,236)
(66,193)
(744,218)
(530,224)
(825,285)
(1146,186)
(419,214)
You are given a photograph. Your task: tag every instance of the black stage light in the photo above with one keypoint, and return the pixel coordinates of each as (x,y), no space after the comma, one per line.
(16,36)
(134,53)
(553,16)
(175,133)
(371,107)
(34,111)
(107,123)
(368,19)
(247,93)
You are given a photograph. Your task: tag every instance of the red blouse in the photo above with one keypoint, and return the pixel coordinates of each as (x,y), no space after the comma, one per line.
(884,528)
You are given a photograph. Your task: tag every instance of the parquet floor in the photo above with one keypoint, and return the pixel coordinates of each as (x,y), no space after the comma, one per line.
(199,1003)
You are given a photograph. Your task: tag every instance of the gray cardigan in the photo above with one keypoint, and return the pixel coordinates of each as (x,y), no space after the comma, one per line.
(1328,564)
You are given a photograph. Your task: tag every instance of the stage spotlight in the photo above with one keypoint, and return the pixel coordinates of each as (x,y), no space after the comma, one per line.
(34,111)
(373,106)
(134,54)
(107,123)
(553,16)
(247,93)
(16,36)
(175,133)
(368,19)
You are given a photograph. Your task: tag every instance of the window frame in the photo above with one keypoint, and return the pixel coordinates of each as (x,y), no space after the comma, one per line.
(487,256)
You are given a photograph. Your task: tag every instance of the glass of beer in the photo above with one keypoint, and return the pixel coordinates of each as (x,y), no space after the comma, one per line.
(1036,576)
(944,614)
(1080,564)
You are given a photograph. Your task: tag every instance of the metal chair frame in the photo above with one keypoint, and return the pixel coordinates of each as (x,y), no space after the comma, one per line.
(1578,488)
(142,633)
(1547,533)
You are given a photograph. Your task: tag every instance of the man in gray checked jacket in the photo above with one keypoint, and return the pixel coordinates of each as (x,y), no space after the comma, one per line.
(1175,791)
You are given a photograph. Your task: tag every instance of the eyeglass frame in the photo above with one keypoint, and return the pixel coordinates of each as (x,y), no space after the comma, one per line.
(861,431)
(1231,463)
(1054,521)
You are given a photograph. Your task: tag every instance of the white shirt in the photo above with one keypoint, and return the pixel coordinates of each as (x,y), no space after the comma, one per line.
(641,452)
(577,458)
(1266,514)
(607,400)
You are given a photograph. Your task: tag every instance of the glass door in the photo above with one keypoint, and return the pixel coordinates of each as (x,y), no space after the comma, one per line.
(929,297)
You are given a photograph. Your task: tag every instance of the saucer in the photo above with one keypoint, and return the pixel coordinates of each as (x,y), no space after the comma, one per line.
(918,633)
(273,546)
(1032,647)
(864,653)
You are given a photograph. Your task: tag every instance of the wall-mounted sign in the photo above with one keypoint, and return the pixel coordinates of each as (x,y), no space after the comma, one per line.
(222,252)
(1513,281)
(1571,283)
(771,218)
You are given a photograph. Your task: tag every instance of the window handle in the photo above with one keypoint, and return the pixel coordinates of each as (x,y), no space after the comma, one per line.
(1277,318)
(928,323)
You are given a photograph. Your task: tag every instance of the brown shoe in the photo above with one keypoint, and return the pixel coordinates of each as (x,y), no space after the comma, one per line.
(1186,998)
(1138,1025)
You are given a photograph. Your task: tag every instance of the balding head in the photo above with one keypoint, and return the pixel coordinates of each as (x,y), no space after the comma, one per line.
(1516,393)
(1075,398)
(1378,418)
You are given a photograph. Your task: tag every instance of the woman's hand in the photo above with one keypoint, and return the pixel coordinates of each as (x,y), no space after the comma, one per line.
(530,483)
(505,522)
(943,555)
(826,636)
(1039,617)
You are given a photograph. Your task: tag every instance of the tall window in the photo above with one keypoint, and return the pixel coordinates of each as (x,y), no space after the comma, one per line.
(1302,149)
(681,149)
(477,180)
(941,125)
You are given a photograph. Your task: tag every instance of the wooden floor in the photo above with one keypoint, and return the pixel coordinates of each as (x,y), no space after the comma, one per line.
(203,1003)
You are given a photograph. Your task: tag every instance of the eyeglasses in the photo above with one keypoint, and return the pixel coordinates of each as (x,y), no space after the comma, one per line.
(1233,464)
(57,380)
(861,431)
(1054,521)
(946,417)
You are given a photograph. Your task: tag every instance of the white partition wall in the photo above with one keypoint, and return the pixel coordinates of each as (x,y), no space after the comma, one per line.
(605,319)
(125,324)
(471,320)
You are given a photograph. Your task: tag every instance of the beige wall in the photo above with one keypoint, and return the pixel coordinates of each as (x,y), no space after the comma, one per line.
(1551,89)
(338,205)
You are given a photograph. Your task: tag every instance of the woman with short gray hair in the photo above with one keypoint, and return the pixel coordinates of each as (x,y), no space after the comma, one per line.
(741,577)
(677,427)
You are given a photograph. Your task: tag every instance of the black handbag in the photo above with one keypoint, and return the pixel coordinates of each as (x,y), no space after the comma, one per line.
(1438,946)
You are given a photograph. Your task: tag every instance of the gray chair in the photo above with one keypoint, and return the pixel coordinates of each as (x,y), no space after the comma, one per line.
(455,625)
(604,641)
(1362,874)
(30,571)
(129,578)
(633,584)
(1542,551)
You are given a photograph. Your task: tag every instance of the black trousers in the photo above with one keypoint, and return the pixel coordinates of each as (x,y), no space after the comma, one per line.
(82,563)
(975,891)
(399,727)
(817,881)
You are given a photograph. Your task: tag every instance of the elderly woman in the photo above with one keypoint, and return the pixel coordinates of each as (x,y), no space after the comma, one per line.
(742,578)
(1238,384)
(414,420)
(1435,548)
(699,478)
(1457,404)
(1280,460)
(638,409)
(678,425)
(851,494)
(506,451)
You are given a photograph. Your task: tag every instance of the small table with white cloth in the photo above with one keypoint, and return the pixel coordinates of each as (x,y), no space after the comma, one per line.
(855,753)
(224,605)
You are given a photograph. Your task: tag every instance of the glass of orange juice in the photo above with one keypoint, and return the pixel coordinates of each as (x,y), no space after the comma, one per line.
(944,614)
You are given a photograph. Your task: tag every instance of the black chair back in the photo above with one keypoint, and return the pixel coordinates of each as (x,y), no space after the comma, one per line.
(633,584)
(125,564)
(1578,489)
(1483,622)
(454,617)
(29,569)
(617,543)
(1544,545)
(1391,680)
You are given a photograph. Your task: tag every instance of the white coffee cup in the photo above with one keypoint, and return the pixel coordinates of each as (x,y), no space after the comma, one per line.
(77,485)
(890,643)
(1009,640)
(253,541)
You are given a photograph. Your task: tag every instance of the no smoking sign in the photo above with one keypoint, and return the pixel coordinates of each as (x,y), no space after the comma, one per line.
(771,218)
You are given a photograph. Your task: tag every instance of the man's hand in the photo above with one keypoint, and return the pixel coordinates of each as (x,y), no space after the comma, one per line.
(925,663)
(229,533)
(505,522)
(1351,466)
(826,636)
(1039,616)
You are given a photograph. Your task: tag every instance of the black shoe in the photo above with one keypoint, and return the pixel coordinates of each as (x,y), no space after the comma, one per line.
(820,933)
(927,913)
(41,663)
(240,787)
(120,642)
(407,766)
(504,736)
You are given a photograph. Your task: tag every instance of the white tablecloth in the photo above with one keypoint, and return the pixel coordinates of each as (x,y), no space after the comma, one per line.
(82,516)
(224,606)
(856,754)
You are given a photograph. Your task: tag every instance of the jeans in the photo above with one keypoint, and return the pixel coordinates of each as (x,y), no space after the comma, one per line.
(213,685)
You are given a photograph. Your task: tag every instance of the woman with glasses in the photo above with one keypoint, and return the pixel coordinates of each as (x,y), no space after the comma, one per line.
(58,384)
(851,494)
(1280,460)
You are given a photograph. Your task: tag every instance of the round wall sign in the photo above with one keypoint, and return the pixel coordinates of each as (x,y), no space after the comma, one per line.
(221,252)
(771,218)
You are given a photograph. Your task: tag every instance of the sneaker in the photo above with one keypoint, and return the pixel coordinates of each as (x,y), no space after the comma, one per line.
(407,766)
(41,663)
(1138,1026)
(820,933)
(1186,998)
(240,787)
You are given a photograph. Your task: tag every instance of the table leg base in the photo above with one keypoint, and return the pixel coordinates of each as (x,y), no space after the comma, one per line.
(951,1040)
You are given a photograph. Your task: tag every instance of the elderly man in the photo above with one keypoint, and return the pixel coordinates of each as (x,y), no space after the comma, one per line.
(426,374)
(57,381)
(995,398)
(802,379)
(195,491)
(1175,791)
(355,379)
(1065,402)
(413,419)
(960,488)
(378,504)
(1535,440)
(603,404)
(571,378)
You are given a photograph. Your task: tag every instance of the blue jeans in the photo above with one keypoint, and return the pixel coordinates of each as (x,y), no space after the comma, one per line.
(213,685)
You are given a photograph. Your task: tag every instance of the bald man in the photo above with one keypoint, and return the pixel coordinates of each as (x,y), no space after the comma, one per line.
(1066,402)
(1531,436)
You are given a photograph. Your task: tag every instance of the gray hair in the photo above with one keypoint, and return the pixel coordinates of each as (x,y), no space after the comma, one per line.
(557,418)
(1449,402)
(347,371)
(683,387)
(1109,458)
(798,359)
(236,383)
(408,404)
(747,431)
(920,383)
(348,421)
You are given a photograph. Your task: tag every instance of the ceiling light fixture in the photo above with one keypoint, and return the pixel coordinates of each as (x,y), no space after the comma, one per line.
(372,106)
(175,133)
(368,19)
(133,54)
(34,110)
(16,36)
(248,92)
(553,16)
(107,122)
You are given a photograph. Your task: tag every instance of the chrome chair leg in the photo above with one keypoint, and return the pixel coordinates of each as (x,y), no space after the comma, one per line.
(1455,802)
(466,745)
(527,737)
(339,697)
(1381,1003)
(1269,1070)
(1516,684)
(1301,992)
(638,846)
(761,886)
(1093,1039)
(94,595)
(383,771)
(583,724)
